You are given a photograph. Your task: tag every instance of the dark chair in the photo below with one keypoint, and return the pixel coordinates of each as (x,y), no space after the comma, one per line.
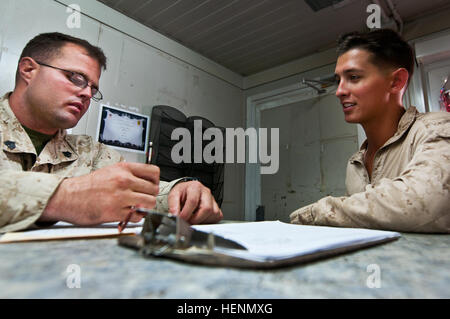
(210,174)
(164,120)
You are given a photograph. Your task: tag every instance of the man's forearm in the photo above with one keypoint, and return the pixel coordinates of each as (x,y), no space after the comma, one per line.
(391,205)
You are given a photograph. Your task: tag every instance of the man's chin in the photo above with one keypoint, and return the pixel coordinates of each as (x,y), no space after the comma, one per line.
(68,122)
(351,119)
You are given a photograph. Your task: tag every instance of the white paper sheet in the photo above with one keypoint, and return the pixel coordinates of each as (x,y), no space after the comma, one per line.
(62,230)
(275,240)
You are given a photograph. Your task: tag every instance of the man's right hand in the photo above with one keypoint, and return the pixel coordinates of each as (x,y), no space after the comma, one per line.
(105,195)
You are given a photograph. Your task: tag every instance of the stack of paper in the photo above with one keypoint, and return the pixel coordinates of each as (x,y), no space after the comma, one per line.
(275,240)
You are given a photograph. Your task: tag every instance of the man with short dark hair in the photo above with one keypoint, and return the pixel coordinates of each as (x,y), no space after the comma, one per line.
(47,175)
(400,178)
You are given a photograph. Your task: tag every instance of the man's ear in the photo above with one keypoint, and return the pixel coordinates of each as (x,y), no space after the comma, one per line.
(399,80)
(27,69)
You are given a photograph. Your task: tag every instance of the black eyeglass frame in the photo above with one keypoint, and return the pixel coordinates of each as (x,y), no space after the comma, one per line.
(95,91)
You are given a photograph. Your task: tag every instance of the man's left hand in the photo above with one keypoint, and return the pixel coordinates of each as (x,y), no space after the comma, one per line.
(194,202)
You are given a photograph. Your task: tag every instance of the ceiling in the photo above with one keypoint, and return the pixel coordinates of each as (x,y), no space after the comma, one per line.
(249,36)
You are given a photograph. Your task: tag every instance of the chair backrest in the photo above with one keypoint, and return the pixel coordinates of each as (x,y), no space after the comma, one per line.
(210,174)
(164,120)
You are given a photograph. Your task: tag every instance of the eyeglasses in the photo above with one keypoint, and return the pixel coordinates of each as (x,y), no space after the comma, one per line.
(79,80)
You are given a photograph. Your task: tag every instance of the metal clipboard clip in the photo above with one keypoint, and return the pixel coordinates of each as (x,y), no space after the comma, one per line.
(167,235)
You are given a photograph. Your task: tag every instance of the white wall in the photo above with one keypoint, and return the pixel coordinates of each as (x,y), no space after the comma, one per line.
(139,74)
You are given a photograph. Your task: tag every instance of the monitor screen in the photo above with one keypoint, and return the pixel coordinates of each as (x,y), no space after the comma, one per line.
(124,130)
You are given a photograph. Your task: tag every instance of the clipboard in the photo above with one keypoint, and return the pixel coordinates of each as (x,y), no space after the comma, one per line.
(167,236)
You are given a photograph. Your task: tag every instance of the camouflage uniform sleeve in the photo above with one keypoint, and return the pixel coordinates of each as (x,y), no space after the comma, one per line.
(25,194)
(416,201)
(108,156)
(162,204)
(24,197)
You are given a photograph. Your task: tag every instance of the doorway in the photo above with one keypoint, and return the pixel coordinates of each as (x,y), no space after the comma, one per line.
(314,147)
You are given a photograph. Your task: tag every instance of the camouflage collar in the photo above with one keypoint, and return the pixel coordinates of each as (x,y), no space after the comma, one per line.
(16,140)
(407,119)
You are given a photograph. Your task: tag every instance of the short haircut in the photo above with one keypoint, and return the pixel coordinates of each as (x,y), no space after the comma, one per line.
(47,46)
(387,47)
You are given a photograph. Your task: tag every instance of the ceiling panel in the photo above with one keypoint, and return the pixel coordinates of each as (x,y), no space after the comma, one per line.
(211,21)
(249,36)
(174,13)
(246,24)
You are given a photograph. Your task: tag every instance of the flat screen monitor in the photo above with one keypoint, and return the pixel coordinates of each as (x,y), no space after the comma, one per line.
(123,130)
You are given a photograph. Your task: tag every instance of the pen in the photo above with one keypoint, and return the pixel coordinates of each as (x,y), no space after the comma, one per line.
(149,153)
(124,223)
(134,210)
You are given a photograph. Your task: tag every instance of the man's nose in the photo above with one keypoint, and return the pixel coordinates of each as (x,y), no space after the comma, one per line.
(86,92)
(341,89)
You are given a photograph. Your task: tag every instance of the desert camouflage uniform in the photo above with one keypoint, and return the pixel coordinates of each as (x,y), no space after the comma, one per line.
(25,187)
(410,186)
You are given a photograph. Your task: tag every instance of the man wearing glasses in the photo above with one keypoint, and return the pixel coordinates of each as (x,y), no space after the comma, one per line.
(47,175)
